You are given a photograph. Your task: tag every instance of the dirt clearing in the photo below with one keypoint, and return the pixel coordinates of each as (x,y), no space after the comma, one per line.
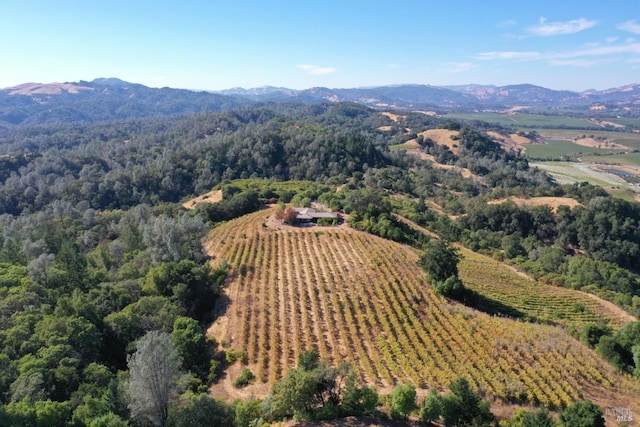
(553,202)
(596,143)
(442,137)
(392,116)
(210,197)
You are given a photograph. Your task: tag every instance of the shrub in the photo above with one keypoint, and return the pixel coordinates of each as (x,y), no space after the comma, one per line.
(244,379)
(232,356)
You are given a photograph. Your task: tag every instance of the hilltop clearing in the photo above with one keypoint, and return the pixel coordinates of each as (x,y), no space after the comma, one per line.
(442,137)
(359,298)
(210,197)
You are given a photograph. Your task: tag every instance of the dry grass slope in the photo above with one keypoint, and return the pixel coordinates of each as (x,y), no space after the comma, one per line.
(553,202)
(355,297)
(210,197)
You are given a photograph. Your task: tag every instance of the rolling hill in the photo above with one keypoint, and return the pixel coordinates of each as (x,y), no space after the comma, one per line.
(112,99)
(359,298)
(100,100)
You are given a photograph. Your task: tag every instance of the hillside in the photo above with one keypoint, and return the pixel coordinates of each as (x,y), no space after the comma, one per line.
(355,297)
(100,247)
(101,100)
(109,99)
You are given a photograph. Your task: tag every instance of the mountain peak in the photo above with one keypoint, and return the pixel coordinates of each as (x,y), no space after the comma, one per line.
(109,81)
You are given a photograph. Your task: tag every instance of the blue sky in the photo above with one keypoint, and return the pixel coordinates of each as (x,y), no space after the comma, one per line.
(213,45)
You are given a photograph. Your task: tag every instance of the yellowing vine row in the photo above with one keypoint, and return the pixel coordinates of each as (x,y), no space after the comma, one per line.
(359,298)
(531,298)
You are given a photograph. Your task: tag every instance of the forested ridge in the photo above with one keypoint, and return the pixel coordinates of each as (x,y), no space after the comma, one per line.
(96,251)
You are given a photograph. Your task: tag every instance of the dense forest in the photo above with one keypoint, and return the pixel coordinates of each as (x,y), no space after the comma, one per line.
(96,251)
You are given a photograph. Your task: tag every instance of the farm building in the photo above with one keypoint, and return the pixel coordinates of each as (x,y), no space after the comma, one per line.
(313,216)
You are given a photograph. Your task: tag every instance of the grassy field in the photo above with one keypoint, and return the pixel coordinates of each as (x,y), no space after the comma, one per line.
(405,146)
(359,298)
(631,140)
(556,149)
(527,121)
(569,172)
(625,121)
(551,126)
(627,159)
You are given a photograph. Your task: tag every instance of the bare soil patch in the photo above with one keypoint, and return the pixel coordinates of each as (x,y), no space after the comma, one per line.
(385,128)
(466,173)
(509,142)
(521,140)
(392,116)
(210,197)
(224,388)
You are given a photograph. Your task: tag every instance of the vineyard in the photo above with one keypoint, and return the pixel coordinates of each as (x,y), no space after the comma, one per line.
(534,300)
(359,298)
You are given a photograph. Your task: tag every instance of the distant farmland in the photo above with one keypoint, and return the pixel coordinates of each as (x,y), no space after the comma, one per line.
(524,120)
(556,149)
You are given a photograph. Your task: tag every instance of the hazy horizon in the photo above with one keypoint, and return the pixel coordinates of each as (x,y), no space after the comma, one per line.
(200,45)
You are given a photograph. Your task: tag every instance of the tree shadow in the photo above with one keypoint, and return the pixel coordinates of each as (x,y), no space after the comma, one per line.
(222,304)
(493,307)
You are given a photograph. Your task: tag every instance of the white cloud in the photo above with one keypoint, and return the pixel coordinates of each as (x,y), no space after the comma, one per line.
(507,55)
(507,23)
(316,70)
(578,57)
(545,29)
(581,62)
(611,39)
(630,26)
(393,66)
(457,67)
(632,48)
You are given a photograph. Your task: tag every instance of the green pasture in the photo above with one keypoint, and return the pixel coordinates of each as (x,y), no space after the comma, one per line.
(527,121)
(627,159)
(556,149)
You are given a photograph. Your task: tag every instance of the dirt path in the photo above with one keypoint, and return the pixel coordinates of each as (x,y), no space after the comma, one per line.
(614,309)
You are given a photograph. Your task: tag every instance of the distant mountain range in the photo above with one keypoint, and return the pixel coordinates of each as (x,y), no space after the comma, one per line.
(451,97)
(108,99)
